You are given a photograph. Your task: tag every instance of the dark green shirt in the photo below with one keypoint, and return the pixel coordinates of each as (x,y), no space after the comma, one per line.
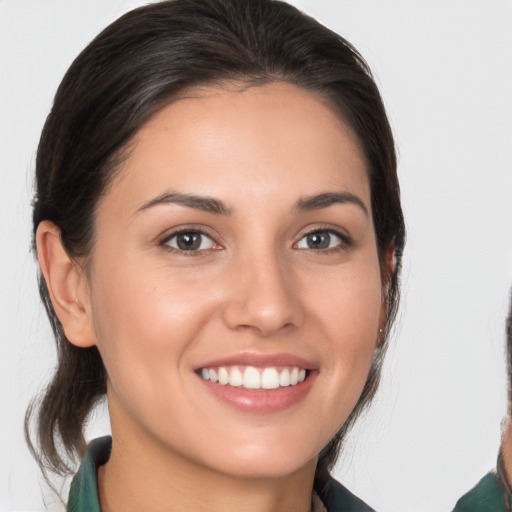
(83,495)
(491,494)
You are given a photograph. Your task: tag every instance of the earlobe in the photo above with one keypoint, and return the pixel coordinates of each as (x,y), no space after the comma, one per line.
(67,286)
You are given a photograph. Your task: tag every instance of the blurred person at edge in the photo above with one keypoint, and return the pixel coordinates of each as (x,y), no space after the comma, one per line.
(493,492)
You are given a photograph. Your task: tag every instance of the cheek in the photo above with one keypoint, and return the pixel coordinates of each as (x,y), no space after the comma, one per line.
(349,304)
(145,320)
(348,314)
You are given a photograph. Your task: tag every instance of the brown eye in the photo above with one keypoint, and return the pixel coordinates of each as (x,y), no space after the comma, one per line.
(190,241)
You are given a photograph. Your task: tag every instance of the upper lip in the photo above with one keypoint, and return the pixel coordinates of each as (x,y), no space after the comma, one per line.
(259,360)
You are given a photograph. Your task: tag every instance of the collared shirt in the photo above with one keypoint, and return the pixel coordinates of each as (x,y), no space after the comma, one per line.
(491,494)
(83,495)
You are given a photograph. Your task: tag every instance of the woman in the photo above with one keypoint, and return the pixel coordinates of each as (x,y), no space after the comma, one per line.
(218,225)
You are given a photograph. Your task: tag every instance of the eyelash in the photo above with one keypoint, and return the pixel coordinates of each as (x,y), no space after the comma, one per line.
(345,241)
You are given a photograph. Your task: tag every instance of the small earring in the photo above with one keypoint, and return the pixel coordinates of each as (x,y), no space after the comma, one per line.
(380,339)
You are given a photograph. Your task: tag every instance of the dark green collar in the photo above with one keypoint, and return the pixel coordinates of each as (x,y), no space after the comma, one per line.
(83,495)
(491,494)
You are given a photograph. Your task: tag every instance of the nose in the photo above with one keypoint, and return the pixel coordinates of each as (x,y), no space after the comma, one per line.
(264,296)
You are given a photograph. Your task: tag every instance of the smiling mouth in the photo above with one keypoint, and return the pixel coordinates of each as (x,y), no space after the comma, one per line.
(251,377)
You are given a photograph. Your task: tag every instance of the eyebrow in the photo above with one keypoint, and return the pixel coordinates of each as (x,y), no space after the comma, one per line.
(218,207)
(206,204)
(319,201)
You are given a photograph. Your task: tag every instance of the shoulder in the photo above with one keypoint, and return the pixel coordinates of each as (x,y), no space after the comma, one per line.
(337,498)
(486,496)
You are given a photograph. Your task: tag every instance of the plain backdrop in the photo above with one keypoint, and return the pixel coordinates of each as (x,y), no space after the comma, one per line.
(445,70)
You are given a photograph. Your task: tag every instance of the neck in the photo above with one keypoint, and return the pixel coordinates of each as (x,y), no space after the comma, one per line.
(143,476)
(506,450)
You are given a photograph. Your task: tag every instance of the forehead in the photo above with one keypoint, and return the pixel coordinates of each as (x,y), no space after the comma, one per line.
(244,142)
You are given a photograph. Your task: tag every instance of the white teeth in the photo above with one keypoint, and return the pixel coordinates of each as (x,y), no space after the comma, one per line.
(255,378)
(284,378)
(269,378)
(223,376)
(252,379)
(236,378)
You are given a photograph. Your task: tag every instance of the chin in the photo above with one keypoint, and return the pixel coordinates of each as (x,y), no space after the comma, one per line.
(263,464)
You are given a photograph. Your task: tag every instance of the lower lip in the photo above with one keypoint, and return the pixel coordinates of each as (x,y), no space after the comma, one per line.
(261,400)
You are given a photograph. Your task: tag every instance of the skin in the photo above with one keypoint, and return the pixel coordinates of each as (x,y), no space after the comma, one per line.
(157,313)
(506,449)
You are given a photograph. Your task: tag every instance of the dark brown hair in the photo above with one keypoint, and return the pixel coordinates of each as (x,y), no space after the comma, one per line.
(133,68)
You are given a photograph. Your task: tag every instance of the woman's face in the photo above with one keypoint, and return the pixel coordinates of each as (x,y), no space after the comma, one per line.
(236,245)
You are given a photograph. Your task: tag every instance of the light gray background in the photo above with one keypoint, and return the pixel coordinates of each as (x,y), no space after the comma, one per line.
(445,71)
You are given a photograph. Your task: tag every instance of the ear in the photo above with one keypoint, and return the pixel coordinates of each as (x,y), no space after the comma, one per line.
(67,285)
(389,267)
